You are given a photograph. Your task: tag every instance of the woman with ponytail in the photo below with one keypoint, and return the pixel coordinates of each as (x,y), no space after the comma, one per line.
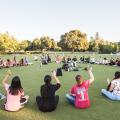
(47,102)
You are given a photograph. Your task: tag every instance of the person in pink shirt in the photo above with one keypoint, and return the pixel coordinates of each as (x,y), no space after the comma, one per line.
(79,92)
(15,98)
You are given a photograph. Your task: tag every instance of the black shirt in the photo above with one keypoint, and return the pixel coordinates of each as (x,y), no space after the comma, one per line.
(48,95)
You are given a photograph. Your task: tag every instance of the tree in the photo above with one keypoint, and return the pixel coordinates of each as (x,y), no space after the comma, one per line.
(25,45)
(74,40)
(95,42)
(8,43)
(36,44)
(48,43)
(108,48)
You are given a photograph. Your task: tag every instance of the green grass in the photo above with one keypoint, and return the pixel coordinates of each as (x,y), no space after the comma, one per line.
(32,78)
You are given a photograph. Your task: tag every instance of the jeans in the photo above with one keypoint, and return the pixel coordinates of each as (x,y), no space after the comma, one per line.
(110,95)
(71,99)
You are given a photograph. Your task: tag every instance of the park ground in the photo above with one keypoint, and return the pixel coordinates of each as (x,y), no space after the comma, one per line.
(32,78)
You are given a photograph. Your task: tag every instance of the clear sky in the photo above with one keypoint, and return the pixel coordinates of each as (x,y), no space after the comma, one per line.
(27,19)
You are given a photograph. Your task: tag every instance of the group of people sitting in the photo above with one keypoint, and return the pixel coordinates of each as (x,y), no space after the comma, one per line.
(11,63)
(44,59)
(103,61)
(47,101)
(70,64)
(115,62)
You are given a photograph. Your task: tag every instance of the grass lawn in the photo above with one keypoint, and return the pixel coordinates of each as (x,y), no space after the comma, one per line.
(32,78)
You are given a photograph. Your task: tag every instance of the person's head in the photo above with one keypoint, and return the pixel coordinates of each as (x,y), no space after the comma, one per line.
(117,75)
(47,79)
(8,60)
(79,79)
(15,86)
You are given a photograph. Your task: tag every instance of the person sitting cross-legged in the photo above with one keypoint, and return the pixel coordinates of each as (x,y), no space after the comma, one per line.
(79,92)
(48,101)
(113,90)
(15,98)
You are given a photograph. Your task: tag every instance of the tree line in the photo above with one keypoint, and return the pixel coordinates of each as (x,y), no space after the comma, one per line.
(73,40)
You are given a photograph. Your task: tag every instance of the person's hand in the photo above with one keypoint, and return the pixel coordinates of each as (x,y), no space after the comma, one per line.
(86,68)
(9,72)
(54,74)
(90,69)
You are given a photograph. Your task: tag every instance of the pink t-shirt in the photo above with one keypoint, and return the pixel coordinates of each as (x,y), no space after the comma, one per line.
(81,93)
(13,101)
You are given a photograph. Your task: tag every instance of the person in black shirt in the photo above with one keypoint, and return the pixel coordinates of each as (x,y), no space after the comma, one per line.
(47,102)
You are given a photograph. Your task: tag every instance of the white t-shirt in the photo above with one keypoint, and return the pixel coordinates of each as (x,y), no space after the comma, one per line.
(116,89)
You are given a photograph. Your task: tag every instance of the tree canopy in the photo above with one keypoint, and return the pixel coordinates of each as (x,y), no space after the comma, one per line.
(73,40)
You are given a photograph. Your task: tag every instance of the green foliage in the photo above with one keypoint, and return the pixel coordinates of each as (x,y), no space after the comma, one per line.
(99,45)
(74,40)
(71,41)
(109,48)
(44,43)
(25,45)
(36,44)
(8,43)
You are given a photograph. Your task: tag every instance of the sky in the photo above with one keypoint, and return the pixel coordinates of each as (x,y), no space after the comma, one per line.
(28,19)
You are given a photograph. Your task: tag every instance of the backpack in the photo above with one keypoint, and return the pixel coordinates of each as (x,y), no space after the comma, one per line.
(82,99)
(59,72)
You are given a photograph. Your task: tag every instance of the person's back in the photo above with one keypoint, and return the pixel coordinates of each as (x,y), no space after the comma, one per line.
(48,101)
(14,93)
(116,89)
(79,92)
(13,101)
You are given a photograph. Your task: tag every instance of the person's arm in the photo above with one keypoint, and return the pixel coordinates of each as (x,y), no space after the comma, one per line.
(72,92)
(55,77)
(111,87)
(91,75)
(5,80)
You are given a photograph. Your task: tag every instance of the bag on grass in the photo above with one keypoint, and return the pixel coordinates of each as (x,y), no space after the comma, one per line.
(59,72)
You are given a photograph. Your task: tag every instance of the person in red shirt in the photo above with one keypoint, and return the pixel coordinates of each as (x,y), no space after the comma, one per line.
(79,92)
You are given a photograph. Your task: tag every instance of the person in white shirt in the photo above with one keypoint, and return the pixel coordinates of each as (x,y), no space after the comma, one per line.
(113,90)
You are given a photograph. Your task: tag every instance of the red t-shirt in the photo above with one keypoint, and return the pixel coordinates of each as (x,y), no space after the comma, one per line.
(81,93)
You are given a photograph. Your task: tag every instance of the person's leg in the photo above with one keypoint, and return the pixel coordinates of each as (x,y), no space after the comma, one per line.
(71,99)
(39,101)
(56,100)
(110,95)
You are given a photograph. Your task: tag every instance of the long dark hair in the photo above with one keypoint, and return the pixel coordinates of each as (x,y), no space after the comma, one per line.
(47,80)
(15,86)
